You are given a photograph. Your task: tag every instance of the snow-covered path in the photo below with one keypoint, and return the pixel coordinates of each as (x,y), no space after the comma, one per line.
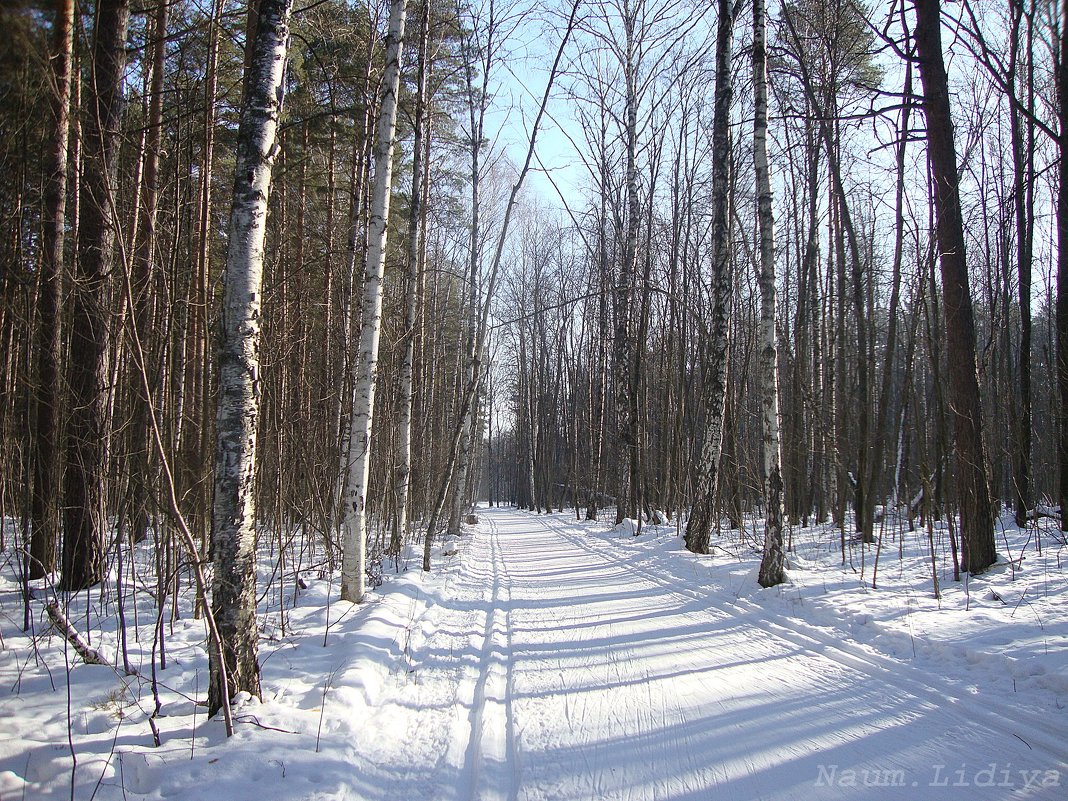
(551,659)
(581,677)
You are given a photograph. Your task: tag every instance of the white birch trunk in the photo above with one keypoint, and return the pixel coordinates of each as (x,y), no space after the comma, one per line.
(458,500)
(772,563)
(354,555)
(234,513)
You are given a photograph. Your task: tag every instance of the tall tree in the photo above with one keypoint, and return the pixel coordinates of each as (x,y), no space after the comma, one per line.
(144,267)
(1023,150)
(473,388)
(976,512)
(1062,265)
(234,513)
(478,57)
(702,517)
(354,557)
(45,520)
(772,563)
(402,476)
(624,346)
(88,372)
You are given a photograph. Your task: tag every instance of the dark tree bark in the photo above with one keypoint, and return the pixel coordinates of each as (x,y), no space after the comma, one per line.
(144,267)
(88,371)
(702,517)
(1062,269)
(976,513)
(45,504)
(1023,169)
(402,473)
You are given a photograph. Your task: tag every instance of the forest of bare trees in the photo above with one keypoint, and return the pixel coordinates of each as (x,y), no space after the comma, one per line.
(276,284)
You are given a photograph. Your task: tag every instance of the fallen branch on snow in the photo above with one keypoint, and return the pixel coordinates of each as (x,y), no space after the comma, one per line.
(89,655)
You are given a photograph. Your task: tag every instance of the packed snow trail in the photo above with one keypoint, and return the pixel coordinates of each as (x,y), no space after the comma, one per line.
(581,677)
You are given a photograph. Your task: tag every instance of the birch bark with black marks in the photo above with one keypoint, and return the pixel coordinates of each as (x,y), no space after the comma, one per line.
(623,345)
(237,412)
(772,570)
(354,554)
(706,475)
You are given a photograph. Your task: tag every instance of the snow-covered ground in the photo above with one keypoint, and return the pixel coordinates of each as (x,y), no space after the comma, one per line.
(555,659)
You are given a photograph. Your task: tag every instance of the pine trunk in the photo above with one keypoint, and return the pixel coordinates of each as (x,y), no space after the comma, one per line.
(144,268)
(976,512)
(1062,270)
(45,505)
(88,370)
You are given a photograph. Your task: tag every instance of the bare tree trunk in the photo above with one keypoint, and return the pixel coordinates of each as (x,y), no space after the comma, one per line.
(976,514)
(882,424)
(702,517)
(469,396)
(88,371)
(196,443)
(623,295)
(354,556)
(402,474)
(772,563)
(476,109)
(359,179)
(144,267)
(599,372)
(1023,168)
(234,513)
(45,433)
(1062,269)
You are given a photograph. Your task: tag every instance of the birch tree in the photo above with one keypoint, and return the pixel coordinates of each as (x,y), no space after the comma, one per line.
(702,516)
(771,565)
(234,512)
(354,556)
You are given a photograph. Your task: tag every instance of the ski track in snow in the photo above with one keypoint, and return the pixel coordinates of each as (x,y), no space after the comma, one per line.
(550,662)
(597,680)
